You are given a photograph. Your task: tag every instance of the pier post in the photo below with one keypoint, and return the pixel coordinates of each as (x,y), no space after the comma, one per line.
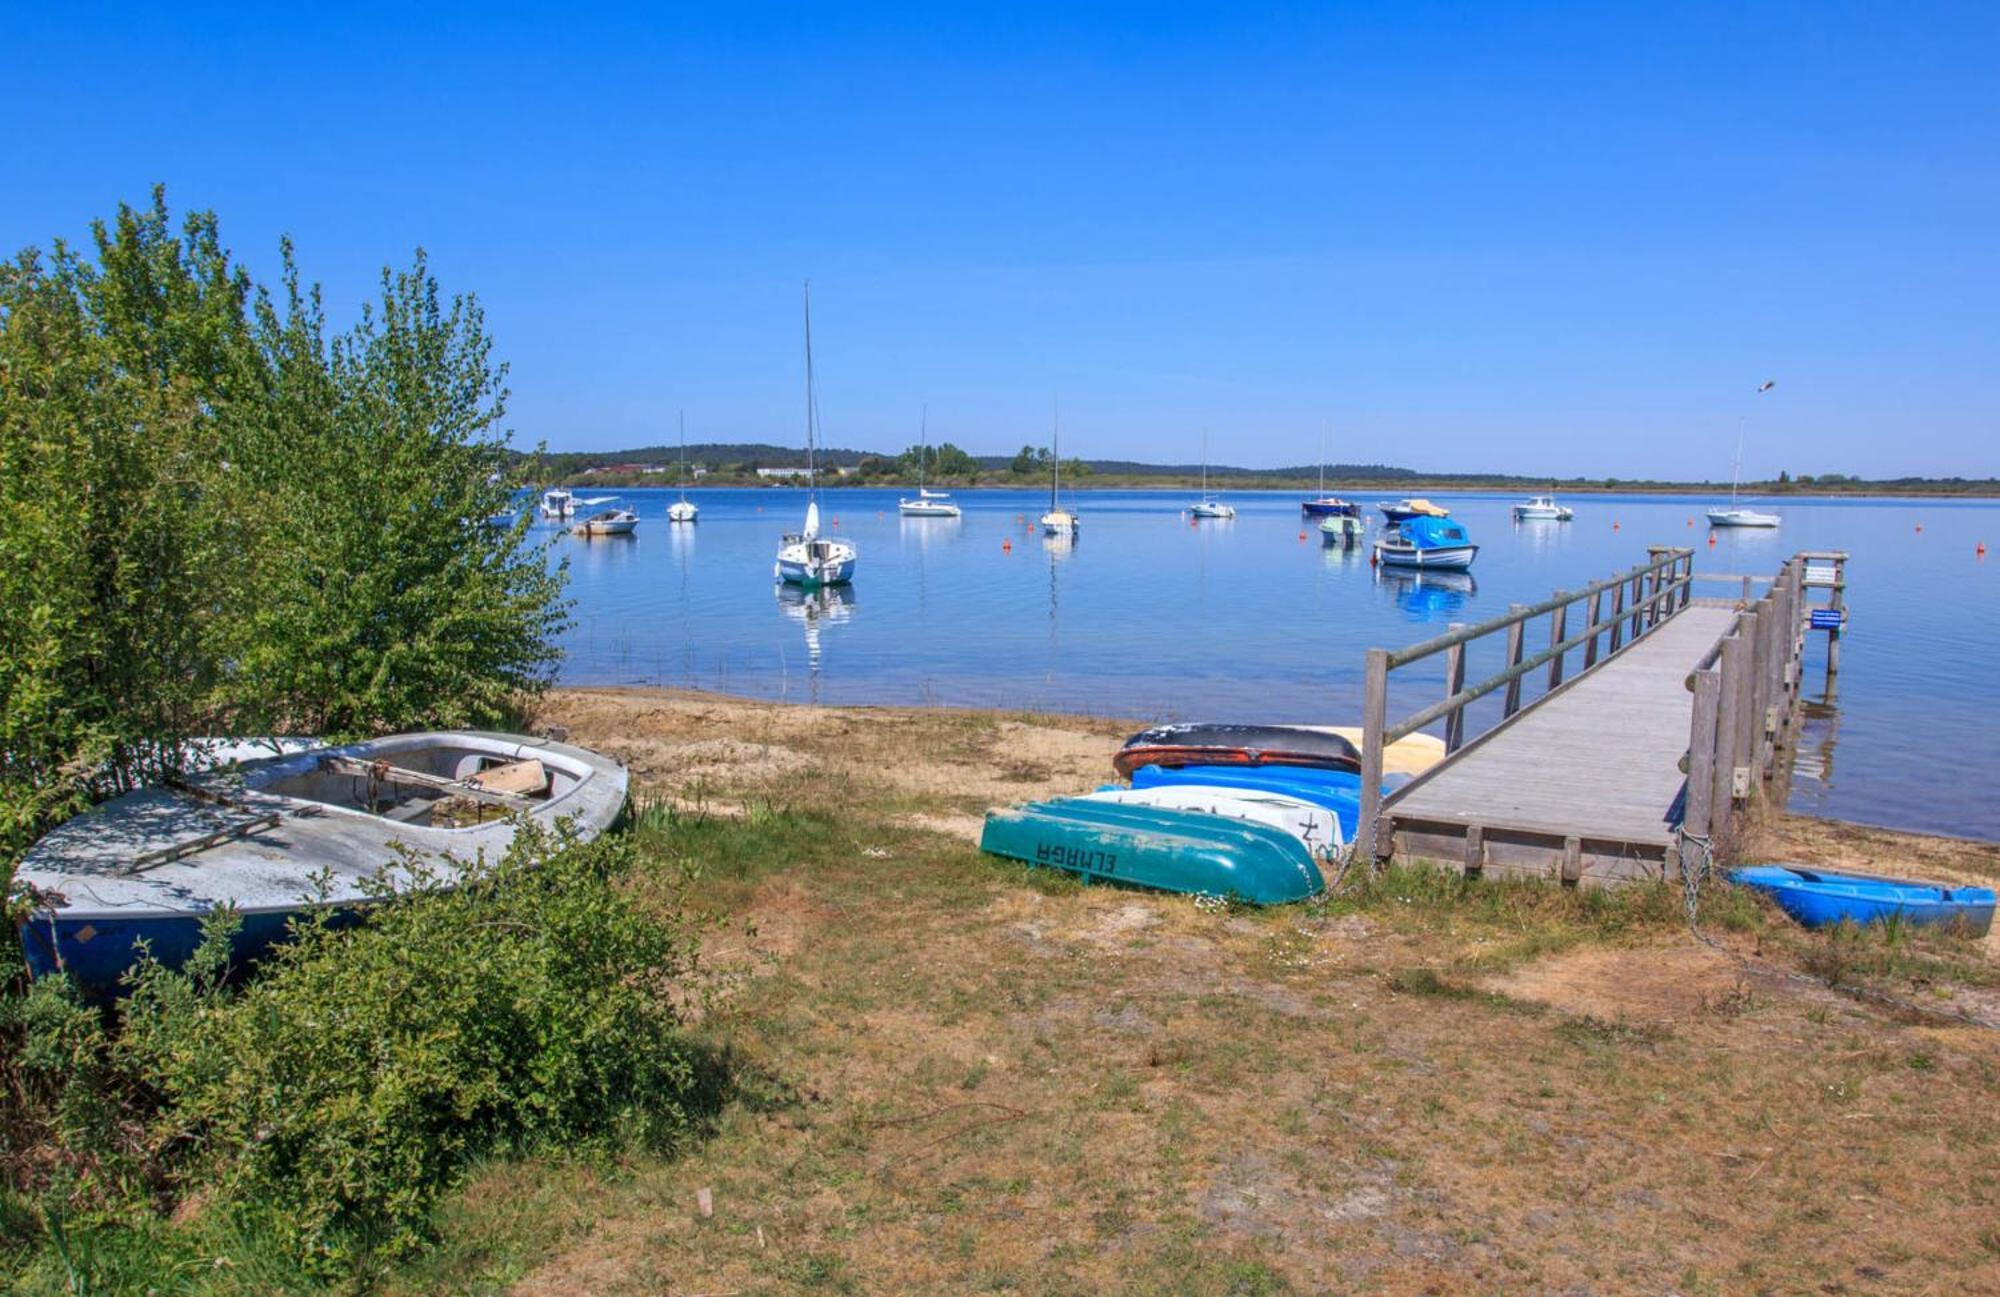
(1617,617)
(1374,720)
(1558,631)
(1744,741)
(1837,600)
(1454,680)
(1590,645)
(1514,636)
(1701,754)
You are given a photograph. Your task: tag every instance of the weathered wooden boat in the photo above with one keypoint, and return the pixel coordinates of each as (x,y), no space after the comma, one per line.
(1820,898)
(1208,744)
(1427,543)
(151,865)
(1153,847)
(1316,827)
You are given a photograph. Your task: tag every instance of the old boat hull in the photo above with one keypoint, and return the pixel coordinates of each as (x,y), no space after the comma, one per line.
(1820,898)
(153,864)
(1209,744)
(1156,848)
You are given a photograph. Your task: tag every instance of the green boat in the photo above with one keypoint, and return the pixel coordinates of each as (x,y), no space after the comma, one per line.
(1148,846)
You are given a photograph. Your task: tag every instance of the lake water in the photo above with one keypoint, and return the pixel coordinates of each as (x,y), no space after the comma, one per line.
(1151,617)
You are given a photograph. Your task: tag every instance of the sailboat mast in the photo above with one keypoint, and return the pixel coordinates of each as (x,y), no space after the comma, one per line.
(1322,456)
(923,446)
(684,455)
(1736,476)
(1055,452)
(812,475)
(1204,466)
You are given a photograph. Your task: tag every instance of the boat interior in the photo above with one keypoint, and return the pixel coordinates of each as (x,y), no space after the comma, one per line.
(438,786)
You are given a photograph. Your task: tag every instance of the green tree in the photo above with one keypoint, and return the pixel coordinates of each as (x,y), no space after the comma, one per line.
(1031,459)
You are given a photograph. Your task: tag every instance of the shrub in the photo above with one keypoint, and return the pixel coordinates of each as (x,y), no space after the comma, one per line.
(329,1100)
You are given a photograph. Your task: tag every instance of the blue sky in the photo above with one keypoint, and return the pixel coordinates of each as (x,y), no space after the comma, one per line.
(1533,237)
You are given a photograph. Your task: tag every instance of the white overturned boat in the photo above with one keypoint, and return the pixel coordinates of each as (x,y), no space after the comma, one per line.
(1543,508)
(1316,828)
(151,864)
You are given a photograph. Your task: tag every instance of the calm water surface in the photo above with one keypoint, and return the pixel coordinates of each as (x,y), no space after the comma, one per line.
(1147,616)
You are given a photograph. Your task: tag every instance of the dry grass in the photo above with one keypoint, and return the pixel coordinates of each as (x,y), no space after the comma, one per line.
(964,1077)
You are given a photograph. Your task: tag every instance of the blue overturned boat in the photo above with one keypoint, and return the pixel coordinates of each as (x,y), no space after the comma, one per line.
(1820,898)
(1156,847)
(1338,791)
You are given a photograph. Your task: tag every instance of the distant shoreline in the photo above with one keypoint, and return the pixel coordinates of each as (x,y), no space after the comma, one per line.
(1370,490)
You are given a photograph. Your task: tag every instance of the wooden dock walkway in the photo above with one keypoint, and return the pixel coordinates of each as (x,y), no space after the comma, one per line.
(1588,782)
(1683,710)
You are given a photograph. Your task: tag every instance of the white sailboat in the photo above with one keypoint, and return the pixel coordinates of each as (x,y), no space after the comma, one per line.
(1058,521)
(1736,515)
(805,557)
(683,510)
(1208,508)
(928,504)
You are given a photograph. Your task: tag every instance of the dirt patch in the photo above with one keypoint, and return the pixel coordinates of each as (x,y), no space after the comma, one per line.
(1655,984)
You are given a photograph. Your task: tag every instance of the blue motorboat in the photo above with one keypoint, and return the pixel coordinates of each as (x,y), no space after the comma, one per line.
(1431,543)
(1819,898)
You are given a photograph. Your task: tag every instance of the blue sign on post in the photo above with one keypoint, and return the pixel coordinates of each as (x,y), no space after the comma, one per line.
(1829,618)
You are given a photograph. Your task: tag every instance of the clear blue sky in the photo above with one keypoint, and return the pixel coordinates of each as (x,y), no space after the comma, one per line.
(1568,238)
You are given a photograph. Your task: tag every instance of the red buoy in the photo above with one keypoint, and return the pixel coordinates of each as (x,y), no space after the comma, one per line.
(1006,546)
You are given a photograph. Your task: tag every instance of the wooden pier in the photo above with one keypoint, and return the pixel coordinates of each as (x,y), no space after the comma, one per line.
(1683,709)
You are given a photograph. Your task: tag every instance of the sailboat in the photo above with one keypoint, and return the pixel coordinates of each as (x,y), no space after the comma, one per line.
(805,557)
(928,504)
(1208,508)
(1058,521)
(682,510)
(1736,515)
(1324,505)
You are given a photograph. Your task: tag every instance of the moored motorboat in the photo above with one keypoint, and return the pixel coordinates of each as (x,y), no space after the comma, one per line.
(1821,897)
(263,836)
(557,504)
(606,522)
(1344,527)
(1158,848)
(1427,543)
(1211,744)
(1415,507)
(1543,508)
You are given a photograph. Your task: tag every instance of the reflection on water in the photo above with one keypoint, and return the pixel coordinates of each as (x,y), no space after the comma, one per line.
(1427,596)
(826,606)
(1247,620)
(1812,761)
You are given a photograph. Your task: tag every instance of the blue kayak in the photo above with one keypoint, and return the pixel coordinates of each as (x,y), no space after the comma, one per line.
(1338,791)
(1819,898)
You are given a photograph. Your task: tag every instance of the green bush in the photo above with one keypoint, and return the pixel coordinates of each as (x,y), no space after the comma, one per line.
(328,1101)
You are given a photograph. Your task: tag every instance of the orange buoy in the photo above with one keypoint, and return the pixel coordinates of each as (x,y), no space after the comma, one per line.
(1980,549)
(1690,522)
(1302,535)
(1006,546)
(1920,528)
(1614,524)
(1711,538)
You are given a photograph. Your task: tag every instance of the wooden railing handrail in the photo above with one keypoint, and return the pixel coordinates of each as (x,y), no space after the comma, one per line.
(1465,635)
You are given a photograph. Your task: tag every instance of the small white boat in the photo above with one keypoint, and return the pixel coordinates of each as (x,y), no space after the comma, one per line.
(928,504)
(1207,508)
(557,504)
(1427,543)
(1737,516)
(1058,521)
(1343,528)
(805,557)
(682,510)
(150,865)
(1543,508)
(607,522)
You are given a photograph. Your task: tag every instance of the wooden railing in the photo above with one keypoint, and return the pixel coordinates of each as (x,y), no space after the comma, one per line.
(1640,599)
(1746,692)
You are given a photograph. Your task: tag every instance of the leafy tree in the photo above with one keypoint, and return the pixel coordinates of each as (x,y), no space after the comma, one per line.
(1031,459)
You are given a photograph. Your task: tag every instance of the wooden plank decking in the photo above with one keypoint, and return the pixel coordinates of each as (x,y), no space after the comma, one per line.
(1583,786)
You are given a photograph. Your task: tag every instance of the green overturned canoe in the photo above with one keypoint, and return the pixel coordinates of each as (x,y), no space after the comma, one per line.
(1149,846)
